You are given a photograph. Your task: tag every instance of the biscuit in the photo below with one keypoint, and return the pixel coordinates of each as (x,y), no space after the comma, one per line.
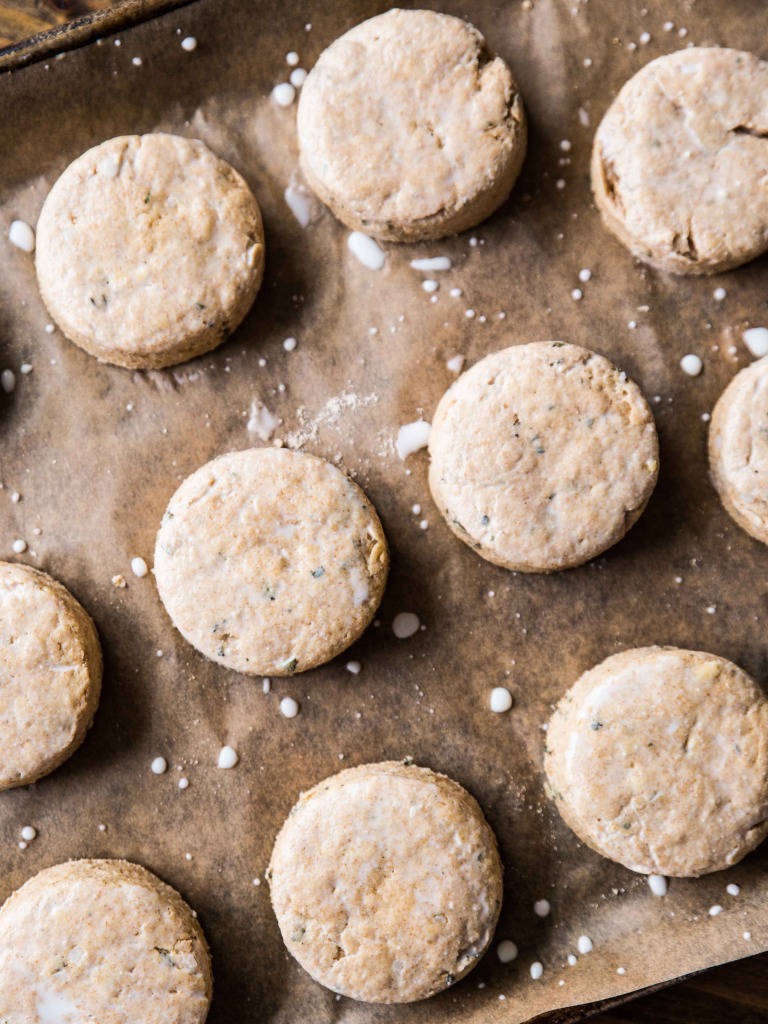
(386,882)
(101,940)
(738,449)
(270,561)
(680,159)
(542,456)
(409,129)
(50,665)
(150,250)
(658,759)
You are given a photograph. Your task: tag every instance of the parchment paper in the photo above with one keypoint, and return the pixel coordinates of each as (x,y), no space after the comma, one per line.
(96,451)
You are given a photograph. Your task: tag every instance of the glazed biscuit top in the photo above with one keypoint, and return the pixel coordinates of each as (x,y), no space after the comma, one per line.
(386,882)
(660,758)
(270,561)
(50,669)
(101,941)
(144,240)
(406,116)
(739,443)
(539,452)
(683,154)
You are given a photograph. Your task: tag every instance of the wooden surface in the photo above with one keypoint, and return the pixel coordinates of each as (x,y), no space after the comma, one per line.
(733,994)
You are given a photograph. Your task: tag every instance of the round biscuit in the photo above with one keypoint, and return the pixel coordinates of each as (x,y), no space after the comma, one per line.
(386,882)
(270,561)
(50,664)
(542,456)
(150,250)
(101,940)
(409,129)
(680,159)
(738,449)
(657,758)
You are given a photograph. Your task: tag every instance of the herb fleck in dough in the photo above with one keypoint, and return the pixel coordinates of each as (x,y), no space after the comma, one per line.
(101,940)
(386,882)
(542,456)
(409,129)
(657,758)
(738,449)
(50,667)
(150,250)
(270,561)
(680,160)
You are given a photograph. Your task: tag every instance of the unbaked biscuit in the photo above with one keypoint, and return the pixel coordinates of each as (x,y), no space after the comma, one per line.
(738,449)
(150,250)
(409,129)
(386,882)
(658,759)
(50,666)
(542,456)
(102,941)
(680,160)
(270,561)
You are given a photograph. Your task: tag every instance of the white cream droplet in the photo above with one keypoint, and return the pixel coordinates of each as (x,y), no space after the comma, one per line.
(542,908)
(658,883)
(366,250)
(19,547)
(28,833)
(412,437)
(432,263)
(159,766)
(733,890)
(506,951)
(584,945)
(8,381)
(297,77)
(300,204)
(692,365)
(715,911)
(289,707)
(756,340)
(284,94)
(354,667)
(500,700)
(537,970)
(405,624)
(227,758)
(139,567)
(21,235)
(189,44)
(455,364)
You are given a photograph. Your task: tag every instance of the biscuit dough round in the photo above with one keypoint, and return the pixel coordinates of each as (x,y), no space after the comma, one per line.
(409,129)
(658,759)
(680,160)
(270,561)
(50,668)
(542,456)
(738,449)
(150,250)
(101,940)
(386,882)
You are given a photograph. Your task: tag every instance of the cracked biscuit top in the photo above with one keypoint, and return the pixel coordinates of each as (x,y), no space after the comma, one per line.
(409,128)
(103,941)
(680,161)
(386,882)
(270,561)
(658,759)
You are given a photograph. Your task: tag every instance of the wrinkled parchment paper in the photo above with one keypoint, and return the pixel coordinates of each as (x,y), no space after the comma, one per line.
(95,453)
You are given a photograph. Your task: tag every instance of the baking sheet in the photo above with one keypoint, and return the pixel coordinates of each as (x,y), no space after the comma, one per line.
(96,451)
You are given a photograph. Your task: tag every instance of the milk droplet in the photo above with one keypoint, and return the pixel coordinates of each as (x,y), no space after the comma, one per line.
(300,204)
(183,782)
(297,77)
(292,59)
(354,667)
(715,911)
(189,44)
(405,624)
(284,94)
(412,438)
(262,422)
(21,235)
(429,285)
(756,340)
(577,294)
(658,883)
(584,945)
(572,960)
(506,951)
(137,62)
(29,833)
(159,766)
(366,250)
(733,890)
(542,908)
(289,707)
(692,365)
(500,701)
(719,294)
(19,547)
(8,381)
(227,758)
(585,275)
(537,970)
(455,364)
(139,567)
(433,263)
(290,344)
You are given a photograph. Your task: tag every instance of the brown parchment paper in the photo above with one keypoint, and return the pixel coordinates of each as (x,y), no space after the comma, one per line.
(96,451)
